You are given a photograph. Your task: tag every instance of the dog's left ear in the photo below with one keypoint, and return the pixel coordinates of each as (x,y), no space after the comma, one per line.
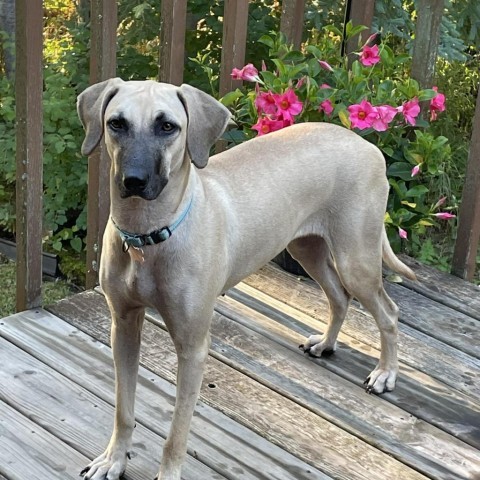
(207,120)
(91,106)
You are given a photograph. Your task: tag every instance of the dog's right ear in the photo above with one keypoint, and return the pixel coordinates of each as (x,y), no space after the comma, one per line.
(91,106)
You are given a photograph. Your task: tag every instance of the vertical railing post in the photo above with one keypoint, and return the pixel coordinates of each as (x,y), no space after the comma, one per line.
(103,52)
(359,12)
(235,21)
(427,37)
(292,21)
(29,136)
(173,19)
(468,234)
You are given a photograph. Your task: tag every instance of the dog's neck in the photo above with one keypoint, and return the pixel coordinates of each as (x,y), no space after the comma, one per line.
(140,216)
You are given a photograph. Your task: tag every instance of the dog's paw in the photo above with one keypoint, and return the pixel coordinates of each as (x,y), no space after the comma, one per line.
(381,380)
(318,346)
(108,466)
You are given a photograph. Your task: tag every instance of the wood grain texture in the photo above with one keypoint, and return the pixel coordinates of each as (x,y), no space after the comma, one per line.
(451,367)
(172,41)
(235,20)
(438,321)
(444,288)
(292,21)
(103,62)
(282,366)
(468,235)
(213,438)
(76,416)
(276,418)
(29,150)
(28,451)
(427,37)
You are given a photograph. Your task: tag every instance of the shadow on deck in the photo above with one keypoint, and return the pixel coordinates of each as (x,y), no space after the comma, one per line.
(266,410)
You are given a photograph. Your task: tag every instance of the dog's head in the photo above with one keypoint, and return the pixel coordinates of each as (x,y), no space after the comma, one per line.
(149,129)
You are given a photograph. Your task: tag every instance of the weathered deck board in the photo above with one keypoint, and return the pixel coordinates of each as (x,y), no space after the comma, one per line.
(416,348)
(266,410)
(56,397)
(444,288)
(439,321)
(373,419)
(270,414)
(86,361)
(26,450)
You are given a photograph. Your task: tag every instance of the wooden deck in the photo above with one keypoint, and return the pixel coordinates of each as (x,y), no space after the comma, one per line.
(266,410)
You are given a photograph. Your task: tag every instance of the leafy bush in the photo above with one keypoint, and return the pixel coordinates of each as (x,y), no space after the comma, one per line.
(65,170)
(375,97)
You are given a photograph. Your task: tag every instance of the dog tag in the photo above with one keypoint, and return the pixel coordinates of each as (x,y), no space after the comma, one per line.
(137,254)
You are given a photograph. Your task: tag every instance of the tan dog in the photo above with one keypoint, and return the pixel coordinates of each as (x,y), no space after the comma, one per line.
(317,189)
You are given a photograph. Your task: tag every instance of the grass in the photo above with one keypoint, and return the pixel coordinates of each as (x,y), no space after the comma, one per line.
(51,290)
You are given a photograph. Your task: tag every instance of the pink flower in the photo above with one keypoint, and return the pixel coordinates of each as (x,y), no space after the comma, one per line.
(248,73)
(265,103)
(384,115)
(266,125)
(288,105)
(325,65)
(402,233)
(371,39)
(326,107)
(362,115)
(410,110)
(437,104)
(325,85)
(440,202)
(369,56)
(444,215)
(415,170)
(286,121)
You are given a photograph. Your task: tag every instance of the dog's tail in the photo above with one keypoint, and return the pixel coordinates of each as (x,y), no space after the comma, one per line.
(392,260)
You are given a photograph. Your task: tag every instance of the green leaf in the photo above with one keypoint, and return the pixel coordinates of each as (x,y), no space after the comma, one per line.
(268,77)
(334,30)
(231,97)
(77,244)
(60,146)
(280,65)
(352,31)
(293,57)
(315,51)
(417,191)
(427,94)
(401,170)
(344,118)
(267,40)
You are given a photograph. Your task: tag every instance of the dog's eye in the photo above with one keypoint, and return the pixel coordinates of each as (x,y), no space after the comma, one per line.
(168,127)
(116,124)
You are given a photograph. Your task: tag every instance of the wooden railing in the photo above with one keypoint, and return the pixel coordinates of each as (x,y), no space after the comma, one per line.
(29,16)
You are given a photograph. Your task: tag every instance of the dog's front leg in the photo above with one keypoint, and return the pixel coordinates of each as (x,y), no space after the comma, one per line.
(192,341)
(126,336)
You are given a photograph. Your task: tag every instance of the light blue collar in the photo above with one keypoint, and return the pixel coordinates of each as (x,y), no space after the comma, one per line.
(152,238)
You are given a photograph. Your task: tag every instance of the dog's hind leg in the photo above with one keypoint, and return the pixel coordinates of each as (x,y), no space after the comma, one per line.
(126,336)
(360,270)
(313,254)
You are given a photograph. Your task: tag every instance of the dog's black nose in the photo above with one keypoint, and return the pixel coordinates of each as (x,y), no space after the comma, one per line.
(135,183)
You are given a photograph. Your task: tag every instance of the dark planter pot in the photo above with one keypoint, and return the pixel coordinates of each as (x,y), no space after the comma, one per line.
(49,261)
(285,261)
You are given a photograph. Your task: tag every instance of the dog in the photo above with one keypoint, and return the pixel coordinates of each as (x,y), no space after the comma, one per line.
(178,236)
